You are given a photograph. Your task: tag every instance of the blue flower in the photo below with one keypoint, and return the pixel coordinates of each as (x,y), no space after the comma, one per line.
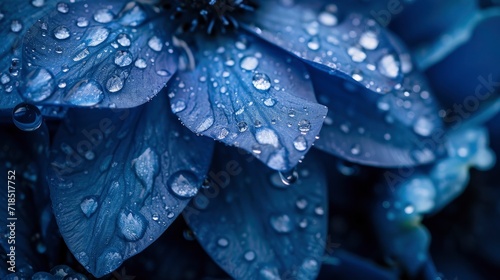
(121,100)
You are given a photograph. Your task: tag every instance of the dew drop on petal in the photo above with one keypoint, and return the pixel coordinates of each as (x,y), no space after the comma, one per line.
(61,32)
(389,66)
(16,26)
(178,106)
(355,149)
(123,58)
(155,43)
(300,143)
(222,242)
(369,40)
(62,7)
(261,82)
(289,177)
(267,136)
(423,126)
(85,93)
(140,63)
(96,36)
(124,40)
(27,117)
(304,126)
(281,223)
(132,225)
(103,16)
(249,256)
(183,184)
(327,19)
(114,83)
(89,205)
(206,124)
(249,63)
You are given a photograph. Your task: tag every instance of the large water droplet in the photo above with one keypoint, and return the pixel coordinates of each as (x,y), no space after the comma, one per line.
(389,66)
(281,223)
(155,43)
(89,205)
(103,16)
(123,58)
(39,85)
(115,83)
(27,117)
(183,183)
(61,32)
(261,81)
(108,261)
(85,93)
(96,36)
(132,225)
(300,143)
(249,63)
(267,136)
(146,167)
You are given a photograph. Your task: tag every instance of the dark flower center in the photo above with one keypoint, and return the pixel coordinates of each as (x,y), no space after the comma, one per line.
(209,15)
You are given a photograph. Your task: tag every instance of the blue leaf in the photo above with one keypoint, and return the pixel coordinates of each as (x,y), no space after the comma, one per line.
(111,54)
(246,93)
(256,227)
(398,128)
(119,179)
(328,37)
(29,223)
(16,17)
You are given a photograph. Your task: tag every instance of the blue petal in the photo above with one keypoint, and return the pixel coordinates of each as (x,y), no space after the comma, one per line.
(27,205)
(398,128)
(90,53)
(248,94)
(328,37)
(254,226)
(16,18)
(344,265)
(119,178)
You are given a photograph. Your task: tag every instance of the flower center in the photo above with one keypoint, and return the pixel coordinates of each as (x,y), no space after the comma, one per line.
(210,15)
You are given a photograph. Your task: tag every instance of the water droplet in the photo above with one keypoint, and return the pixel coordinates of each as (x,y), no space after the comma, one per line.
(146,167)
(261,82)
(132,225)
(183,184)
(267,136)
(61,32)
(16,26)
(62,8)
(304,126)
(114,83)
(327,19)
(242,126)
(82,22)
(249,63)
(369,40)
(389,66)
(27,117)
(269,273)
(163,73)
(155,43)
(300,143)
(178,106)
(89,205)
(289,177)
(103,16)
(108,261)
(123,58)
(313,43)
(39,85)
(423,126)
(123,39)
(85,93)
(356,54)
(81,55)
(281,223)
(269,102)
(355,149)
(223,242)
(4,79)
(132,15)
(96,36)
(38,3)
(301,203)
(155,217)
(249,256)
(319,211)
(206,124)
(140,63)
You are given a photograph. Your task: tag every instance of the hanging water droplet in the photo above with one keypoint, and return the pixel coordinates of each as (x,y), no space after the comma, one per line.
(267,136)
(155,43)
(39,85)
(300,143)
(183,184)
(261,82)
(85,93)
(61,32)
(103,16)
(89,205)
(369,40)
(389,66)
(281,223)
(304,126)
(123,58)
(27,117)
(249,63)
(132,225)
(223,242)
(249,256)
(289,177)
